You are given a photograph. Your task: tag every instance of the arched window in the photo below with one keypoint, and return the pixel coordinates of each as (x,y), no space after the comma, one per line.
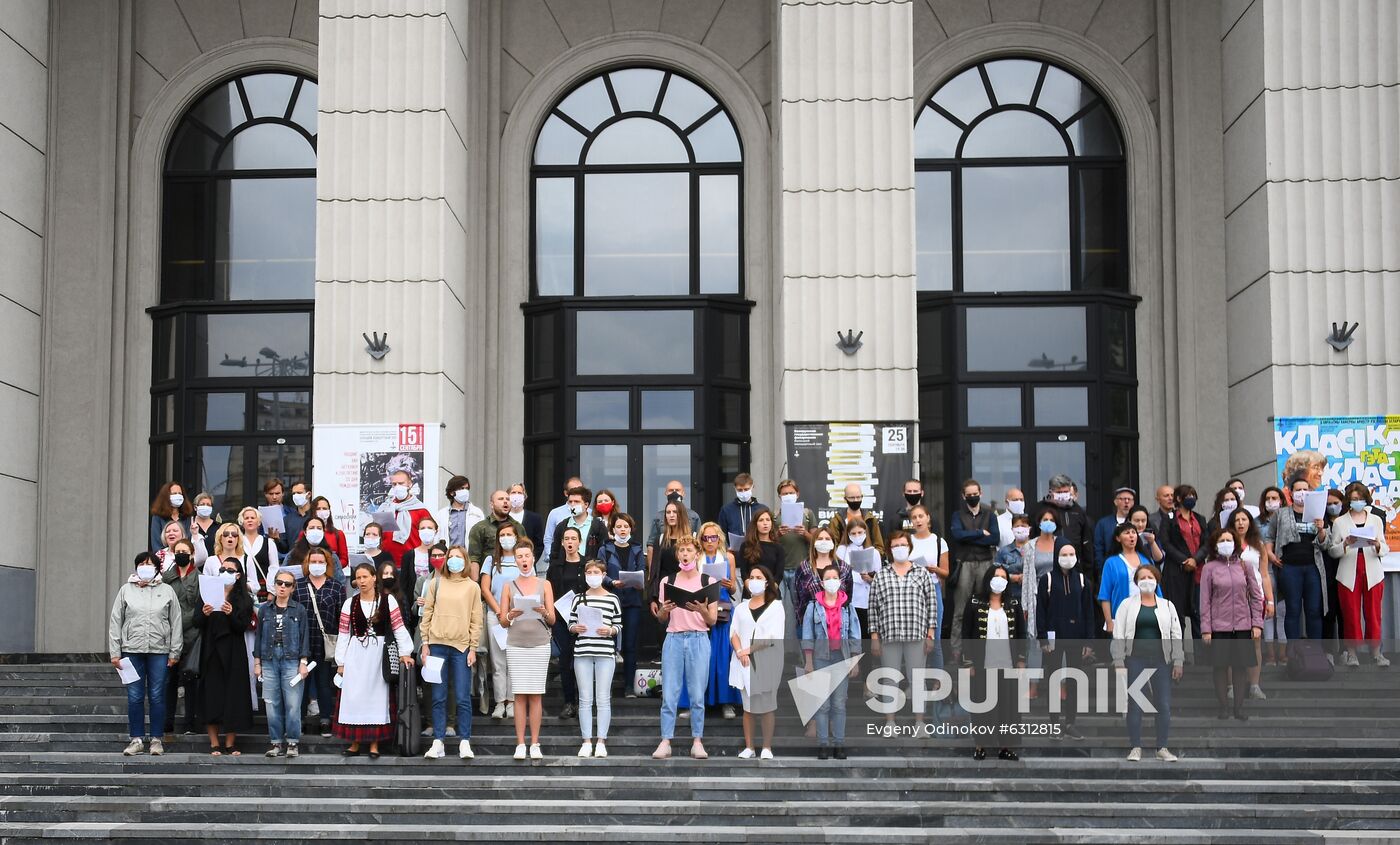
(636,325)
(232,358)
(1026,345)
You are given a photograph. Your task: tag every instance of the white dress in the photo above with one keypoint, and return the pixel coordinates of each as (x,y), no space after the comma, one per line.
(364,694)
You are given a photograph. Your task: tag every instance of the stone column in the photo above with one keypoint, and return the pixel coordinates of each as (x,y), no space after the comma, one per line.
(392,243)
(847,226)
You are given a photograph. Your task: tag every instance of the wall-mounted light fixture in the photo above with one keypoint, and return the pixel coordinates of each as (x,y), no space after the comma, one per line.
(1342,336)
(849,342)
(377,347)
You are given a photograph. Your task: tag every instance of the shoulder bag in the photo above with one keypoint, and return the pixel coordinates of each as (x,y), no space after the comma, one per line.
(330,640)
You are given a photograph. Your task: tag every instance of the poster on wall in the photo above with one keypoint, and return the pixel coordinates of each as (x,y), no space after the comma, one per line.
(824,457)
(1365,449)
(353,464)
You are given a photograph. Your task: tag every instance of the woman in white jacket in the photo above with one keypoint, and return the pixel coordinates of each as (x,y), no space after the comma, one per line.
(1357,540)
(1147,637)
(756,632)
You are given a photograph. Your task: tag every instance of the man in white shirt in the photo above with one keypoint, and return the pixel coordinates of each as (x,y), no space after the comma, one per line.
(1014,504)
(557,516)
(457,519)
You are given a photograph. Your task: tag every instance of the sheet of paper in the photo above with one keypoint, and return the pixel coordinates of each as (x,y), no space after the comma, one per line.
(432,670)
(739,676)
(272,519)
(792,514)
(127,670)
(718,571)
(863,560)
(211,591)
(499,634)
(632,579)
(297,678)
(1314,505)
(386,519)
(530,605)
(590,618)
(735,541)
(1362,532)
(564,604)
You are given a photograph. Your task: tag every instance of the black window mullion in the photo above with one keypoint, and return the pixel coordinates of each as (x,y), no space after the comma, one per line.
(578,234)
(1076,233)
(695,234)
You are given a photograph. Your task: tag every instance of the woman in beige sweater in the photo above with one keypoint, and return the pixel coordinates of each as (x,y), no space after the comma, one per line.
(451,629)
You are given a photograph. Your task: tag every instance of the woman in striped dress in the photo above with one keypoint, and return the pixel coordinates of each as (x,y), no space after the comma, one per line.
(595,653)
(366,712)
(527,645)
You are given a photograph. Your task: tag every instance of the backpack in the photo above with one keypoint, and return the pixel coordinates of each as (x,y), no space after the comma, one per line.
(1308,662)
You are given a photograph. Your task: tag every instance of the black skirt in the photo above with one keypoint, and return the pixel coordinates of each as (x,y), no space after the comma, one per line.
(1231,649)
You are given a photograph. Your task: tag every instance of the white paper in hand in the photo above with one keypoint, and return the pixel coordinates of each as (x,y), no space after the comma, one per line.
(296,680)
(591,618)
(791,514)
(735,541)
(432,669)
(1314,505)
(528,605)
(1362,532)
(862,560)
(718,571)
(499,634)
(632,579)
(564,604)
(127,670)
(272,518)
(211,591)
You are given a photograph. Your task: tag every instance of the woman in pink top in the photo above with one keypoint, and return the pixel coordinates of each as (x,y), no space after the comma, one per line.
(685,656)
(1232,617)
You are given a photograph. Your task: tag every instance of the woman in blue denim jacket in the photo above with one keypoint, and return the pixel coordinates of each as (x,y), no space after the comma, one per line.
(279,656)
(830,634)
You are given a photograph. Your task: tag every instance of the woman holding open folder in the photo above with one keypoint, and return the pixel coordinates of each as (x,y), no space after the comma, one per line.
(687,614)
(528,615)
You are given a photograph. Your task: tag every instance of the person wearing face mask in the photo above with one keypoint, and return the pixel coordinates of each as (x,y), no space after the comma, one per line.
(796,540)
(901,519)
(1073,522)
(856,538)
(1270,502)
(1358,543)
(313,536)
(685,654)
(334,538)
(169,506)
(714,556)
(417,565)
(408,512)
(527,646)
(203,525)
(605,507)
(451,629)
(531,521)
(482,538)
(855,496)
(498,570)
(1232,617)
(595,652)
(755,667)
(1237,486)
(461,514)
(807,583)
(620,554)
(294,517)
(144,627)
(994,632)
(260,558)
(1147,538)
(555,517)
(830,633)
(1249,545)
(1028,561)
(1064,624)
(1300,545)
(368,709)
(165,557)
(734,517)
(1183,537)
(661,555)
(322,595)
(1116,585)
(280,659)
(976,538)
(675,492)
(1015,505)
(1226,503)
(1147,638)
(903,615)
(374,550)
(183,577)
(566,576)
(591,531)
(225,682)
(1124,500)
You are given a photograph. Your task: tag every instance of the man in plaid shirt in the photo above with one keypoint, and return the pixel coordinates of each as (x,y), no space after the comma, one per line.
(903,612)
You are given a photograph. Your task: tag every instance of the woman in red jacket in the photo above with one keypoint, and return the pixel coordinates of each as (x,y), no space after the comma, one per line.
(335,538)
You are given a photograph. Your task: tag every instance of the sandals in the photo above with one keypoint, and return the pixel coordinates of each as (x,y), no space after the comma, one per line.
(350,752)
(215,751)
(1008,754)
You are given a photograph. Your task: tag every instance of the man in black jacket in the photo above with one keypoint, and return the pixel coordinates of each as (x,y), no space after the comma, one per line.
(976,537)
(1073,522)
(899,520)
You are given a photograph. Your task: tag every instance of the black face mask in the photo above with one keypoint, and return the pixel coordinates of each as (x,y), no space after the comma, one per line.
(1189,503)
(972,501)
(854,504)
(182,558)
(913,498)
(673,496)
(388,583)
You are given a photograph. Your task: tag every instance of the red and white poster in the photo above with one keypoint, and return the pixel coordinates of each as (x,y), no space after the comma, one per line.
(353,465)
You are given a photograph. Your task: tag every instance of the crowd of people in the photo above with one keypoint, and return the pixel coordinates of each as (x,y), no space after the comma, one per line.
(321,634)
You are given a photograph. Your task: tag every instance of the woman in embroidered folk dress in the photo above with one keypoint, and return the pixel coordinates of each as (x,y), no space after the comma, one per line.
(367,704)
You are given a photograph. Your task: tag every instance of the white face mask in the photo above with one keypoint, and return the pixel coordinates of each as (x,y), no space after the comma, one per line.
(399,492)
(1225,548)
(576,510)
(998,585)
(146,572)
(832,585)
(1272,505)
(1147,585)
(456,564)
(372,542)
(823,547)
(323,514)
(317,570)
(427,535)
(228,578)
(744,495)
(314,536)
(900,553)
(1067,562)
(177,499)
(1021,532)
(1016,507)
(622,539)
(1227,506)
(593,580)
(856,540)
(757,586)
(507,542)
(790,498)
(1063,499)
(462,496)
(299,499)
(517,501)
(204,511)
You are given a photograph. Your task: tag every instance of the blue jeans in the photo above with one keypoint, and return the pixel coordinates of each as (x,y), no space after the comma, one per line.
(456,672)
(320,686)
(595,676)
(151,684)
(1161,699)
(631,627)
(564,648)
(283,700)
(685,660)
(1302,596)
(831,716)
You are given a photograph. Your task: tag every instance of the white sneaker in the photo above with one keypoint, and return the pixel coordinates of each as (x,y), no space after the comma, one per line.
(428,731)
(157,748)
(1230,693)
(1256,693)
(1331,658)
(585,750)
(435,751)
(314,708)
(1351,660)
(536,753)
(451,731)
(500,711)
(599,749)
(520,752)
(1165,756)
(1382,660)
(510,709)
(1135,755)
(746,754)
(766,754)
(464,751)
(136,746)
